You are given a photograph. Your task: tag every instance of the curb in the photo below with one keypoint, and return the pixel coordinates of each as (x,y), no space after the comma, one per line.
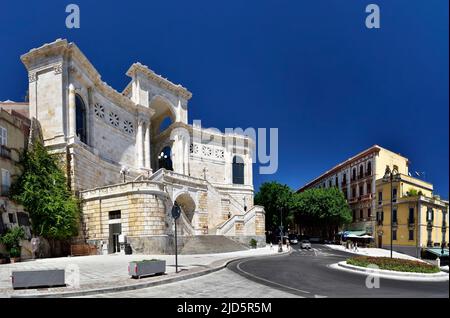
(419,277)
(168,280)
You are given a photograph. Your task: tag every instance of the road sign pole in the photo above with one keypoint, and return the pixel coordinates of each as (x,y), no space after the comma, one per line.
(176,212)
(176,248)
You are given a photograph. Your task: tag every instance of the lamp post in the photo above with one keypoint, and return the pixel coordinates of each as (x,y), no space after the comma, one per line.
(281,228)
(390,176)
(124,170)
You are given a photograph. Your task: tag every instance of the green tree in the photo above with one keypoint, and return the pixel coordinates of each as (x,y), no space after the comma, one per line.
(321,210)
(42,190)
(274,196)
(11,240)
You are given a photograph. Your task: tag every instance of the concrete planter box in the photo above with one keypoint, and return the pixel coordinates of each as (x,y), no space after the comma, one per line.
(145,268)
(38,278)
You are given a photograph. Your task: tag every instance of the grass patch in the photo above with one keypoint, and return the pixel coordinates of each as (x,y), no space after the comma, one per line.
(393,264)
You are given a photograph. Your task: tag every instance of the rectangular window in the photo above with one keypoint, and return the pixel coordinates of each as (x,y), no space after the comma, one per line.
(380,198)
(361,214)
(411,235)
(354,215)
(411,216)
(361,190)
(3,136)
(394,235)
(354,193)
(6,181)
(369,213)
(113,215)
(394,195)
(394,216)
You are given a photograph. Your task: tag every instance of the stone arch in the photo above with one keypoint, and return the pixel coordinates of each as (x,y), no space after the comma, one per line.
(165,158)
(164,109)
(187,205)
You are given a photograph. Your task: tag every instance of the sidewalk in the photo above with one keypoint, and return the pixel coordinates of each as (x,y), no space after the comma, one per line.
(373,251)
(109,273)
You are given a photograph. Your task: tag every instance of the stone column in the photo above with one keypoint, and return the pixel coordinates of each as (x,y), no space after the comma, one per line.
(147,146)
(72,111)
(139,145)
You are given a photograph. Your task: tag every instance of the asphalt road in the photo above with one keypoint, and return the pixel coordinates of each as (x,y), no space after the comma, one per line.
(306,273)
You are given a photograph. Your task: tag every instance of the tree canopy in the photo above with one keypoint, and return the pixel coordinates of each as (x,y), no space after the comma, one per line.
(42,190)
(274,196)
(315,210)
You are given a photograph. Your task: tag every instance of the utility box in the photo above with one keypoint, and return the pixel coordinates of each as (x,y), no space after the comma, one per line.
(38,278)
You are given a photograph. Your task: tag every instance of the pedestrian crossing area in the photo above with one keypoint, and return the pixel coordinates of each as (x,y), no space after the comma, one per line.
(315,251)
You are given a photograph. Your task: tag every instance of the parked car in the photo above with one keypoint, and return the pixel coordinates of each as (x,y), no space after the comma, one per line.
(293,239)
(305,244)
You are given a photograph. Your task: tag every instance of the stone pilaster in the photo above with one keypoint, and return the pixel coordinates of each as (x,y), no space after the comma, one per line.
(147,146)
(139,144)
(72,111)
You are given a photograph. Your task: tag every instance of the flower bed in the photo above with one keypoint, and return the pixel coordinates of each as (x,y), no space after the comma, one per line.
(393,264)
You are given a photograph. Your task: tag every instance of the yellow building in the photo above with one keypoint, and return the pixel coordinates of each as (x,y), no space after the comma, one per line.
(419,218)
(356,178)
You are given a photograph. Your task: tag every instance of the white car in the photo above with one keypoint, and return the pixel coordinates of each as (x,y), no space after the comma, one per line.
(305,244)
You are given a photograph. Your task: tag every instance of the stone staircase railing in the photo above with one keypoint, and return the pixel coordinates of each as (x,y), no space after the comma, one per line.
(226,227)
(187,225)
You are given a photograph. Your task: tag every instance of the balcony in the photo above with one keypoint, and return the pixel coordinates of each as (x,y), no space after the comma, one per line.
(366,197)
(5,152)
(352,200)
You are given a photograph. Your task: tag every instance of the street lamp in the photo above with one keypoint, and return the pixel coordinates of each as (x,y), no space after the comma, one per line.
(390,176)
(124,170)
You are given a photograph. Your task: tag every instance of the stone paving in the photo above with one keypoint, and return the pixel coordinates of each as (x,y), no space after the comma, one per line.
(221,284)
(102,271)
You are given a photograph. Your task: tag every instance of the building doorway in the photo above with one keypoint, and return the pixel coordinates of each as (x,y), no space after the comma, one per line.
(115,230)
(380,241)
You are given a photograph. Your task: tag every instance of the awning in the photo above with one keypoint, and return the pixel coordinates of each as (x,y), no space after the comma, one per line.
(438,251)
(353,233)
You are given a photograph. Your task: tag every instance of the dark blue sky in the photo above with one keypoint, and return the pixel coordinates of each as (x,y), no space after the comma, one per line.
(310,68)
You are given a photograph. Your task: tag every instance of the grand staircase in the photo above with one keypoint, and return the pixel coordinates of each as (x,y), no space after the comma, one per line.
(206,244)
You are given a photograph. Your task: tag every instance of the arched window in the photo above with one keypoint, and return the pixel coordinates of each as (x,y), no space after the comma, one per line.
(336,181)
(80,109)
(361,171)
(238,170)
(369,168)
(164,159)
(354,174)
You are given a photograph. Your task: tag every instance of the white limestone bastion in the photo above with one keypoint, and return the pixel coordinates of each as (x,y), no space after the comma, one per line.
(99,131)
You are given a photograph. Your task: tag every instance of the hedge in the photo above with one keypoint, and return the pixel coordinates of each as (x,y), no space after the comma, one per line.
(393,264)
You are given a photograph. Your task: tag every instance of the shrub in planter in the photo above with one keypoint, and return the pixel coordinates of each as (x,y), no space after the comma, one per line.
(11,240)
(253,243)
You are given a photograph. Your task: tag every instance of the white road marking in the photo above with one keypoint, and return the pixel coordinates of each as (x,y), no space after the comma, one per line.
(269,281)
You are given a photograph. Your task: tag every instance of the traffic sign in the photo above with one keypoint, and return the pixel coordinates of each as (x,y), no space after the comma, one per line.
(176,211)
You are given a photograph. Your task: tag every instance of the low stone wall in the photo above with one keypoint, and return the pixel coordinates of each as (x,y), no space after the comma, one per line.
(245,239)
(161,244)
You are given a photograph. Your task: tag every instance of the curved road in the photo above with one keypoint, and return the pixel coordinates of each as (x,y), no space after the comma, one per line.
(306,274)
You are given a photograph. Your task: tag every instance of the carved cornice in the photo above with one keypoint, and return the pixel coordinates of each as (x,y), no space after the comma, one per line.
(158,79)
